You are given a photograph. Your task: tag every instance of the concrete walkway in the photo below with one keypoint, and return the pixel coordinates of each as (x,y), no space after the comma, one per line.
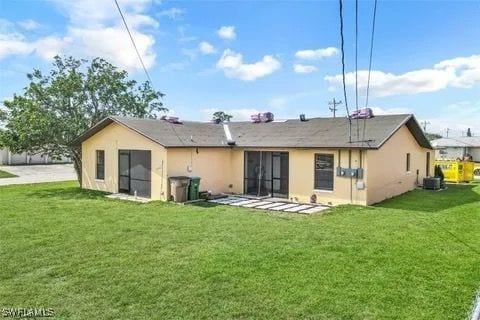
(38,173)
(271,204)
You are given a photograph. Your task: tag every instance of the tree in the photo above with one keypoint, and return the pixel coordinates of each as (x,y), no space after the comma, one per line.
(56,108)
(221,116)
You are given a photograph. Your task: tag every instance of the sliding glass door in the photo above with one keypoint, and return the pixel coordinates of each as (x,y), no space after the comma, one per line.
(266,173)
(134,172)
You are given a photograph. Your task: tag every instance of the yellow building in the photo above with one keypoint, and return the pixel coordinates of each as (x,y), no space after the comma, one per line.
(313,160)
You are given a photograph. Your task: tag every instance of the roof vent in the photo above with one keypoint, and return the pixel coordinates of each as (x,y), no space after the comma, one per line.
(228,135)
(302,117)
(262,117)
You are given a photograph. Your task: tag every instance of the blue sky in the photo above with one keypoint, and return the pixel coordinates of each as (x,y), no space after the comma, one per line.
(250,56)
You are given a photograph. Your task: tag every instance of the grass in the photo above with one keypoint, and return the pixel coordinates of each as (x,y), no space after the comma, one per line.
(87,257)
(5,174)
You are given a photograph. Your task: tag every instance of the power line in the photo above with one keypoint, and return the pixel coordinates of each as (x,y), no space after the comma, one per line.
(356,65)
(371,51)
(343,71)
(370,64)
(143,65)
(133,43)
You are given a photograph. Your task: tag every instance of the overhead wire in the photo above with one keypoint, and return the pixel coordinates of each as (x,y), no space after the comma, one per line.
(342,48)
(143,64)
(356,66)
(372,37)
(133,43)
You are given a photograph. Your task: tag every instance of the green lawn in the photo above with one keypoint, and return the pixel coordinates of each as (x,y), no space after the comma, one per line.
(413,257)
(5,174)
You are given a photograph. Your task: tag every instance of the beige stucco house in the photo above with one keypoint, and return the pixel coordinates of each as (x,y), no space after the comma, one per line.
(312,160)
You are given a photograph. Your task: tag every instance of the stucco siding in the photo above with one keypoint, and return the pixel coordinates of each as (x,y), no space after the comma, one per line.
(212,165)
(302,174)
(387,175)
(111,139)
(222,169)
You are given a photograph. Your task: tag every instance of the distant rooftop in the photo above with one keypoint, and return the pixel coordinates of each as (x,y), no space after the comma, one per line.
(456,142)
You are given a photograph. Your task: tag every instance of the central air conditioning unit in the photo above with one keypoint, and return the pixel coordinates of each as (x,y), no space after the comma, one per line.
(431,183)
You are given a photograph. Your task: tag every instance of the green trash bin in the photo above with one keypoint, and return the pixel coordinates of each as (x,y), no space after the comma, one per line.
(193,188)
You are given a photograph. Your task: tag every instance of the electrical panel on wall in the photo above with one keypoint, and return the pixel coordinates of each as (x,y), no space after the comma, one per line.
(350,172)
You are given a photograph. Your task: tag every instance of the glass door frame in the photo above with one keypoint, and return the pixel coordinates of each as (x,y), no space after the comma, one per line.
(267,183)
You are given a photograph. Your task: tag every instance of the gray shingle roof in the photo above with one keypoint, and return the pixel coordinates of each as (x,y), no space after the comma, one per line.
(316,132)
(456,142)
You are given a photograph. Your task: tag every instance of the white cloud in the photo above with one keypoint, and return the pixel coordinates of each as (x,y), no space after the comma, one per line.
(457,127)
(303,68)
(113,43)
(458,72)
(29,25)
(94,29)
(457,117)
(172,13)
(232,65)
(382,111)
(227,32)
(49,47)
(206,48)
(13,44)
(316,54)
(94,13)
(239,114)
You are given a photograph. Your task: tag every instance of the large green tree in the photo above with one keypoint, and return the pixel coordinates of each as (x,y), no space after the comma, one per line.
(57,107)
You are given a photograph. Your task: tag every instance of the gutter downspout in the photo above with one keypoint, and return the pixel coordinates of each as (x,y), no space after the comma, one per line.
(351,178)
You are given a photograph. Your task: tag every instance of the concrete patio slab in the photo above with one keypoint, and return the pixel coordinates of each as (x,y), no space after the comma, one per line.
(271,205)
(298,208)
(314,210)
(241,203)
(285,206)
(255,204)
(276,204)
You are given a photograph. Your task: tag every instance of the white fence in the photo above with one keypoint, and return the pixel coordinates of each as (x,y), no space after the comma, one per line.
(9,158)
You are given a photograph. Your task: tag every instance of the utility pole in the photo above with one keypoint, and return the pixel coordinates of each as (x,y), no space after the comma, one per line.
(424,123)
(448,130)
(334,105)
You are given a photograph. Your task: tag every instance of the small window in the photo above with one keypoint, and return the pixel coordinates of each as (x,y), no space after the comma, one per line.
(408,162)
(100,171)
(323,172)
